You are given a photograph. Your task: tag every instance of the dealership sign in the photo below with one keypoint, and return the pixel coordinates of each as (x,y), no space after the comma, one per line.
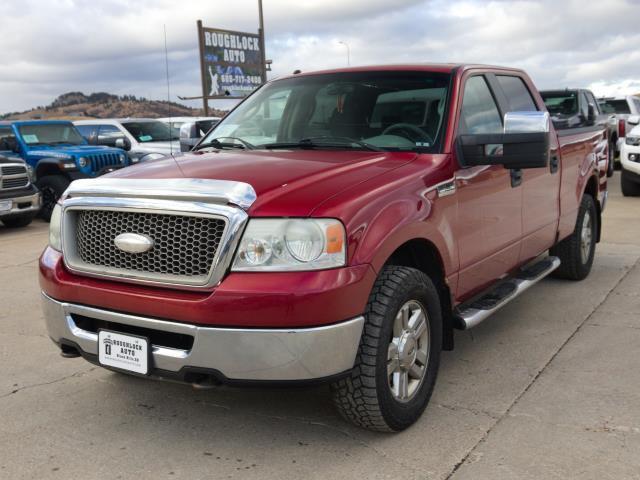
(232,62)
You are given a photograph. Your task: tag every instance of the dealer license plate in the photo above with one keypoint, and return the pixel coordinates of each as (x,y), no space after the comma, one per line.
(5,205)
(126,352)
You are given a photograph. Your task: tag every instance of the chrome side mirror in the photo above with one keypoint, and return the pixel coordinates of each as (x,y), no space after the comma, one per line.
(527,122)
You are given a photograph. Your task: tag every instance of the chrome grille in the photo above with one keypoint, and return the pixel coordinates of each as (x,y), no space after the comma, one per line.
(103,160)
(15,182)
(184,246)
(13,170)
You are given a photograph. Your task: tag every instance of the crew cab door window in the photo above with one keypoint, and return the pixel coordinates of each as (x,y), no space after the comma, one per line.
(517,93)
(87,131)
(108,134)
(480,113)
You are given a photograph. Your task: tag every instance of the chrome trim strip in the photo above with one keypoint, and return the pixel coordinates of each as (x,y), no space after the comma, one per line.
(238,353)
(471,317)
(184,189)
(235,218)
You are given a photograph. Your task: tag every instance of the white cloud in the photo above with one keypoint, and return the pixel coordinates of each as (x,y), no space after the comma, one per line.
(50,47)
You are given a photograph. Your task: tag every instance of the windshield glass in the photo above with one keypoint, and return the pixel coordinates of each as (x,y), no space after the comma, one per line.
(386,110)
(615,106)
(561,103)
(154,131)
(51,134)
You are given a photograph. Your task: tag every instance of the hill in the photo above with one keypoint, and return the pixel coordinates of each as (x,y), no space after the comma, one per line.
(77,105)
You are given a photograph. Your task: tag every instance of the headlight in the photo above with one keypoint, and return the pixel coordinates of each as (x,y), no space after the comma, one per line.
(123,158)
(32,174)
(291,244)
(55,228)
(83,162)
(633,141)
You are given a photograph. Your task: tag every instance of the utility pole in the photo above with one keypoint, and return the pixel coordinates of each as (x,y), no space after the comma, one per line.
(348,52)
(262,42)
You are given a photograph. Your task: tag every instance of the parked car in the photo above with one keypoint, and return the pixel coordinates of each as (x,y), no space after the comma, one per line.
(330,243)
(621,108)
(58,154)
(176,123)
(578,108)
(19,198)
(144,138)
(630,160)
(192,132)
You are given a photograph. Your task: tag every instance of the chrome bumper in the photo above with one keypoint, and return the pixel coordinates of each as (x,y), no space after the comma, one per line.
(33,200)
(237,353)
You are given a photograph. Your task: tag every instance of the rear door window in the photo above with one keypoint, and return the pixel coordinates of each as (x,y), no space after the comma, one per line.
(480,113)
(518,95)
(108,134)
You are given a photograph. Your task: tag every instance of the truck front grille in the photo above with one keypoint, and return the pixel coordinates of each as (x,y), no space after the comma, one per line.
(101,161)
(15,182)
(184,246)
(13,170)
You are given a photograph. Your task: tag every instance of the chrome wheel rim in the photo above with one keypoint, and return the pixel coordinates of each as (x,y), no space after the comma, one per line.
(408,353)
(586,237)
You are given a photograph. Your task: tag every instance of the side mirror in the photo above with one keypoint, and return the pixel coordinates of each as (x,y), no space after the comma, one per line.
(591,114)
(524,143)
(123,143)
(633,119)
(188,136)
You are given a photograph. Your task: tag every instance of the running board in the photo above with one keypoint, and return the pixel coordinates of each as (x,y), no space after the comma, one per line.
(470,314)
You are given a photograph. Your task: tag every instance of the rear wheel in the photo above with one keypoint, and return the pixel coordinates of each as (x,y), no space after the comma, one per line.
(51,188)
(576,252)
(630,188)
(399,353)
(17,222)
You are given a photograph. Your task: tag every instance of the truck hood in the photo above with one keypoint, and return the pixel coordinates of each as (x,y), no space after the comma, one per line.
(69,151)
(287,183)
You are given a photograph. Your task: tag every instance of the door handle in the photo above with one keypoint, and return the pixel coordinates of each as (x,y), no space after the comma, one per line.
(554,164)
(516,177)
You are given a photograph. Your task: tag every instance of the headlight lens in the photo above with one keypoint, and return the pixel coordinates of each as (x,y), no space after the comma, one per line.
(291,245)
(83,162)
(55,228)
(634,141)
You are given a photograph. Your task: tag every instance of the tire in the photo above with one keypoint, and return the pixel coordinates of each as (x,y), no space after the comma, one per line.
(630,188)
(17,222)
(51,187)
(576,252)
(611,159)
(370,396)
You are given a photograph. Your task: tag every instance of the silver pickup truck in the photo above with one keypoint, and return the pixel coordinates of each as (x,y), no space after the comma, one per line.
(19,198)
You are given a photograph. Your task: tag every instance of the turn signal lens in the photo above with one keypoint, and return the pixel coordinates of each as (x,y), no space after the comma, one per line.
(335,238)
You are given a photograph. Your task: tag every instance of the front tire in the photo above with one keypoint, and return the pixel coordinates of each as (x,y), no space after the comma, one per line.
(51,187)
(576,252)
(630,188)
(17,222)
(611,156)
(399,354)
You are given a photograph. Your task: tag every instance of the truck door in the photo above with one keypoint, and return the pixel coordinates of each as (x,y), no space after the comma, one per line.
(540,186)
(489,200)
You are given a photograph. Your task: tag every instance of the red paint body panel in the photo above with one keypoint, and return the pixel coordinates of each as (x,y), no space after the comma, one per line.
(483,231)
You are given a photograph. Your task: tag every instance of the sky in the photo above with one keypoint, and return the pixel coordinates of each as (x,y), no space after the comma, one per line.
(56,46)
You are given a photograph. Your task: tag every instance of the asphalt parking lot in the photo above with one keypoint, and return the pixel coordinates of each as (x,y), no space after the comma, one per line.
(547,388)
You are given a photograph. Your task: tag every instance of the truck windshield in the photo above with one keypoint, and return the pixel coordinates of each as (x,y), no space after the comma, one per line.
(51,134)
(615,106)
(153,131)
(561,103)
(349,110)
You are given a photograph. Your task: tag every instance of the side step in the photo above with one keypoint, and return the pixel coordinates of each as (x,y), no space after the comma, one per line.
(470,314)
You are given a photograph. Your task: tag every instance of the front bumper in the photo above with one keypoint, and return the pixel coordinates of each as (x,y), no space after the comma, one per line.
(23,205)
(629,165)
(228,354)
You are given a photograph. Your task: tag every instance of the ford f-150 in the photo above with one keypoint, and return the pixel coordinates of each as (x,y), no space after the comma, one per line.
(335,226)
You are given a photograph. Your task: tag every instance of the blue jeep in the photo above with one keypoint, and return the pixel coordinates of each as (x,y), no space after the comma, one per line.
(58,155)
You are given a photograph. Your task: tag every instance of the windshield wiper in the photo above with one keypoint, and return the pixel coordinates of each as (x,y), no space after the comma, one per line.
(324,141)
(216,143)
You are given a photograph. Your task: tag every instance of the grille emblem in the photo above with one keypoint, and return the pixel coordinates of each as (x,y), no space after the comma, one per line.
(133,243)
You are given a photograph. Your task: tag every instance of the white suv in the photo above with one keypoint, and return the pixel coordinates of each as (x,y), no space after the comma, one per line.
(622,108)
(630,159)
(143,138)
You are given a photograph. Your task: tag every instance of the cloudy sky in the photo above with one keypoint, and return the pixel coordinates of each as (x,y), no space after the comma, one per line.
(55,46)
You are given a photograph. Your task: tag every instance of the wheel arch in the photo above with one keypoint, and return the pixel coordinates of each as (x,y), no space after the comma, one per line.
(592,189)
(49,166)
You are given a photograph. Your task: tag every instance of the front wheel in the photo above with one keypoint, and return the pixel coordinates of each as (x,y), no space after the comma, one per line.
(576,252)
(51,188)
(17,222)
(630,187)
(611,156)
(399,354)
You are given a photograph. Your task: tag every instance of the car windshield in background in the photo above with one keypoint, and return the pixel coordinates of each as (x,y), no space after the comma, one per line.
(150,131)
(51,134)
(351,110)
(615,106)
(561,103)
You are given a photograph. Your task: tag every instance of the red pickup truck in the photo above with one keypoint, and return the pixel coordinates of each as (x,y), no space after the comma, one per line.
(335,226)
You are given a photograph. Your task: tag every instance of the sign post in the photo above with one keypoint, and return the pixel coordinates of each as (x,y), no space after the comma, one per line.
(205,101)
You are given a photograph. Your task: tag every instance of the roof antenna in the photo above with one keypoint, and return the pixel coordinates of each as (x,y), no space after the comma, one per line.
(166,64)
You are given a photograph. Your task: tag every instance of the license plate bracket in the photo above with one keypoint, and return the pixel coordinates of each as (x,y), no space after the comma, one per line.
(124,351)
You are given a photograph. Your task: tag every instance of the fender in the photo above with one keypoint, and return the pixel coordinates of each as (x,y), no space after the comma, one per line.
(53,166)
